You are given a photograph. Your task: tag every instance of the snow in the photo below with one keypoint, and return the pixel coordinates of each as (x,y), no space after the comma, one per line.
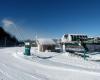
(45,66)
(95,57)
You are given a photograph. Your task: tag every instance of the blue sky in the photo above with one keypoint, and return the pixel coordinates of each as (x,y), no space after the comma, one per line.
(50,18)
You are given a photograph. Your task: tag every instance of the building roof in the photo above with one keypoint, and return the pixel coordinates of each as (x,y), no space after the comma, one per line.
(46,42)
(76,34)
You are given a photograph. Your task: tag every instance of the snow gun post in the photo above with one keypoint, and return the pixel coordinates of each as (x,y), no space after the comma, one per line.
(85,49)
(27,48)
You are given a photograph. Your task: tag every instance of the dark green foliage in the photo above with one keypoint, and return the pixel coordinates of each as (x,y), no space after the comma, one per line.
(7,39)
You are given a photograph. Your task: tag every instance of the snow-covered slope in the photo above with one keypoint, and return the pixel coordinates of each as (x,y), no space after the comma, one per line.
(14,66)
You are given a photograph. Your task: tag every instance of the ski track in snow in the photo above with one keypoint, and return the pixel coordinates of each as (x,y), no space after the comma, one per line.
(10,70)
(14,67)
(74,68)
(14,72)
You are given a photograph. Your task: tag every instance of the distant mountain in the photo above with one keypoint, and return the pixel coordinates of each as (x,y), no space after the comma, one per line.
(7,39)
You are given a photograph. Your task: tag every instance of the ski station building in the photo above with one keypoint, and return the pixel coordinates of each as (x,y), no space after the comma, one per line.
(73,37)
(70,42)
(46,45)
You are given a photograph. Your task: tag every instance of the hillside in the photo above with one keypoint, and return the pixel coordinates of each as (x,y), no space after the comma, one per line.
(7,39)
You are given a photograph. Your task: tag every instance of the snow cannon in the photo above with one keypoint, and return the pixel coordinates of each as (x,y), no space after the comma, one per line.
(85,49)
(27,48)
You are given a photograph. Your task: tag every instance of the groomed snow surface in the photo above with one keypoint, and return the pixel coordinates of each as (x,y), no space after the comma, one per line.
(45,66)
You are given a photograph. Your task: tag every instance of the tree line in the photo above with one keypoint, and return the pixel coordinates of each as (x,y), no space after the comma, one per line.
(6,39)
